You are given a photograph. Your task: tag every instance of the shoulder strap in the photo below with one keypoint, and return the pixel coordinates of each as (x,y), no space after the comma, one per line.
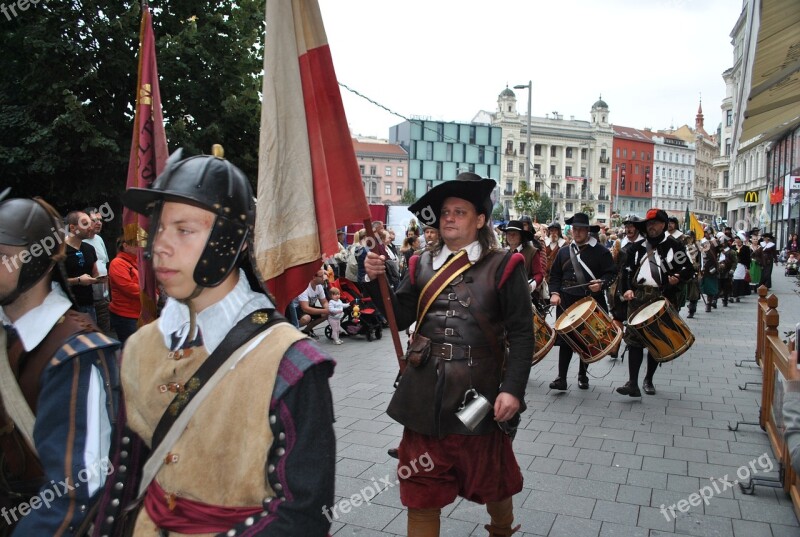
(579,276)
(457,265)
(209,374)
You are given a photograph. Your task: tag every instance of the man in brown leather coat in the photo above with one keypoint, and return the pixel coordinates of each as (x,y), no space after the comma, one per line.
(473,333)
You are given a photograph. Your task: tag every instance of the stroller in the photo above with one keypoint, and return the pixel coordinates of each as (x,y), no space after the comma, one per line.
(360,314)
(791,265)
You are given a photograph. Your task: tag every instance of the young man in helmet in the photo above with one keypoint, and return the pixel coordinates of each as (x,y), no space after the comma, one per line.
(232,401)
(56,414)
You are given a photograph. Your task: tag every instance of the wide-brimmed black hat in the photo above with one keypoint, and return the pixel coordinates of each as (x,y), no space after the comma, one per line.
(516,225)
(768,235)
(554,225)
(581,220)
(467,186)
(631,219)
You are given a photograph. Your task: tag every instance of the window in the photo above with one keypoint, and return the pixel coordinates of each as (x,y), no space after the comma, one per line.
(583,171)
(428,185)
(583,153)
(601,207)
(568,171)
(637,169)
(725,178)
(373,170)
(569,153)
(387,171)
(537,169)
(658,155)
(624,153)
(633,154)
(729,118)
(689,173)
(387,189)
(361,169)
(537,150)
(373,189)
(509,188)
(552,169)
(522,169)
(400,190)
(636,186)
(658,171)
(602,153)
(602,173)
(618,152)
(400,171)
(602,191)
(552,150)
(509,165)
(522,148)
(727,147)
(568,207)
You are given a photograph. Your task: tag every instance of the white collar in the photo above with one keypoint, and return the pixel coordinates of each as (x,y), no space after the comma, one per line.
(625,240)
(591,242)
(473,250)
(675,234)
(215,321)
(35,324)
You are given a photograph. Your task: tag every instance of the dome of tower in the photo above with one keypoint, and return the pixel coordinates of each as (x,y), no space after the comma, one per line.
(507,93)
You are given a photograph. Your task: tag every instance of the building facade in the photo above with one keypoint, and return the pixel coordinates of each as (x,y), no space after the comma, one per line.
(632,181)
(570,159)
(704,206)
(438,151)
(384,169)
(673,178)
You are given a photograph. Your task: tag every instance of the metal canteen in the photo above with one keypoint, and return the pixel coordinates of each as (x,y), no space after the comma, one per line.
(472,413)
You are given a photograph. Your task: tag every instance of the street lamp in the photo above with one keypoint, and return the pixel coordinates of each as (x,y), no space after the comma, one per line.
(529,87)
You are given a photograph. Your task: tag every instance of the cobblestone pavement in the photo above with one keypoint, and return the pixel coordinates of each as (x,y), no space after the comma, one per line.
(595,463)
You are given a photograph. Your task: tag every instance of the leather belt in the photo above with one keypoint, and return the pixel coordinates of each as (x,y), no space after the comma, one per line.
(449,351)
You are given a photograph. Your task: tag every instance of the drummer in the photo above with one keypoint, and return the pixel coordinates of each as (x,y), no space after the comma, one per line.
(596,272)
(654,269)
(619,308)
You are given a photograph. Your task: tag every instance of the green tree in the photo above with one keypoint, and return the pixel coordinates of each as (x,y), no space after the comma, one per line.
(498,213)
(526,201)
(544,212)
(408,197)
(67,95)
(588,210)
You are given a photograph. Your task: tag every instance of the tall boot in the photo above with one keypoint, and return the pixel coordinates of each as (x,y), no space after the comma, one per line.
(424,522)
(692,309)
(502,514)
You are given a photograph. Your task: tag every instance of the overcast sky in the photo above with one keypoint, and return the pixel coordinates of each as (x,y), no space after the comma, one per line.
(447,59)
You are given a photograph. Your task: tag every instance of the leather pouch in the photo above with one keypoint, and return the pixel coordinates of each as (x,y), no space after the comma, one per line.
(419,351)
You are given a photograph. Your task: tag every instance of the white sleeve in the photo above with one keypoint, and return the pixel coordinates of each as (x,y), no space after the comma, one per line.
(98,433)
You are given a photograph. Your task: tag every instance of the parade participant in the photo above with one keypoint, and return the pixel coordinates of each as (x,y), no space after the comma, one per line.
(654,269)
(522,241)
(123,278)
(619,308)
(767,258)
(473,333)
(709,273)
(693,285)
(727,262)
(220,368)
(431,235)
(552,243)
(584,268)
(57,411)
(673,228)
(741,287)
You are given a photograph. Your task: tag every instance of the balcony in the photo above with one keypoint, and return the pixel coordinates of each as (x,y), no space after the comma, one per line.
(508,192)
(603,197)
(721,193)
(721,162)
(511,152)
(605,160)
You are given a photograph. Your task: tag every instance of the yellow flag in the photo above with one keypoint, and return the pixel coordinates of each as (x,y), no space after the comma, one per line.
(697,227)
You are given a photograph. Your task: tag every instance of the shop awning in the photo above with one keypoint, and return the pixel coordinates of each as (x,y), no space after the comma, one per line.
(773,105)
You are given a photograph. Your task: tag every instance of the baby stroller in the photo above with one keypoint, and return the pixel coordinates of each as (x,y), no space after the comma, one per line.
(360,314)
(791,266)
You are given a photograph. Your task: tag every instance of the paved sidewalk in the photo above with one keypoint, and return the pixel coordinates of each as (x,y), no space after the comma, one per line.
(594,462)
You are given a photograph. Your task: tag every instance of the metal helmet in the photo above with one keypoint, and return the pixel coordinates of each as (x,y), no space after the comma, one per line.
(37,227)
(214,184)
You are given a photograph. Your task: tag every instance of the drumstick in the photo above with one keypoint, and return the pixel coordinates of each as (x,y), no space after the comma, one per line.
(582,285)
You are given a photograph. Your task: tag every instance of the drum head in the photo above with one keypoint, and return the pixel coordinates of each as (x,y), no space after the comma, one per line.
(647,312)
(574,314)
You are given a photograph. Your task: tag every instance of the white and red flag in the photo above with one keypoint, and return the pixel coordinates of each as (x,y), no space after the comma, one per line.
(308,178)
(148,156)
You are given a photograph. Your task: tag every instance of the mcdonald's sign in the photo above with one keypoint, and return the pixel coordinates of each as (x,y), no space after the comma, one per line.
(751,196)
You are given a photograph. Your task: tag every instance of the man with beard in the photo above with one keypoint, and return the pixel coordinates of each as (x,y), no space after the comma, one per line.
(584,268)
(655,268)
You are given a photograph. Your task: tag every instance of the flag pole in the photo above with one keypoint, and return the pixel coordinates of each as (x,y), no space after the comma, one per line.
(383,282)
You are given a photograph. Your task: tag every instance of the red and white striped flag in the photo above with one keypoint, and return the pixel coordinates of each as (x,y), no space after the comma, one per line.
(148,156)
(308,178)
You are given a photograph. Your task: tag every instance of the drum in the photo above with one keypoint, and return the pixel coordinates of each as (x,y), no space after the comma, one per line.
(544,338)
(588,330)
(659,327)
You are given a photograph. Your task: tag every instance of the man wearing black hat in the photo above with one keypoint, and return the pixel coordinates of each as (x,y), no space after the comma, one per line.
(473,338)
(767,257)
(654,269)
(552,243)
(584,268)
(219,368)
(632,237)
(674,228)
(58,382)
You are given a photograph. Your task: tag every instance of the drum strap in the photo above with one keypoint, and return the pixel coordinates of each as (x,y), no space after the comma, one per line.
(577,262)
(655,270)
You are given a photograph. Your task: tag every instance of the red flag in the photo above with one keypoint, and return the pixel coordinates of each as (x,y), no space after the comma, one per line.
(308,178)
(148,156)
